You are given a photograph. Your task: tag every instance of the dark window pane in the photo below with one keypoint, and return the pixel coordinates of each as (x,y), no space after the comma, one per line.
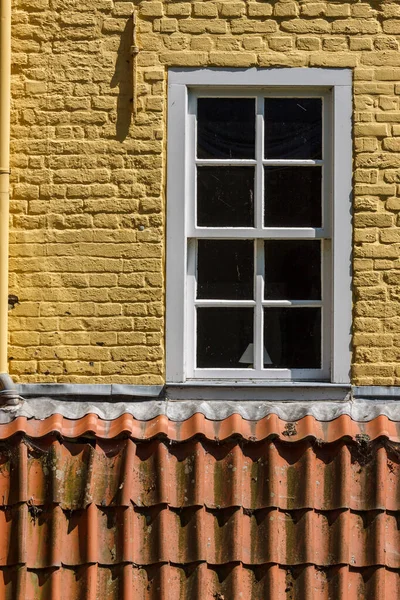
(293,197)
(292,270)
(293,128)
(225,196)
(223,336)
(225,269)
(226,128)
(292,338)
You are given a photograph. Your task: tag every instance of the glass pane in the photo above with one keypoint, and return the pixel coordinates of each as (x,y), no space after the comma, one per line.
(293,128)
(225,196)
(292,338)
(293,197)
(223,337)
(292,270)
(226,127)
(225,269)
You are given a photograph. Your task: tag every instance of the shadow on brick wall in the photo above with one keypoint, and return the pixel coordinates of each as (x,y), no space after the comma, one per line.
(123,78)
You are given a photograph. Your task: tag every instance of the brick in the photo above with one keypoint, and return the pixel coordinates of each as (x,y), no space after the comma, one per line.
(314,9)
(286,9)
(355,26)
(178,10)
(232,59)
(371,129)
(308,43)
(357,44)
(391,144)
(281,44)
(300,26)
(391,26)
(337,10)
(205,9)
(231,9)
(151,9)
(259,9)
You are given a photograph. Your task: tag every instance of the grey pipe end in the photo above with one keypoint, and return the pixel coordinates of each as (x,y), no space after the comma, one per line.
(8,392)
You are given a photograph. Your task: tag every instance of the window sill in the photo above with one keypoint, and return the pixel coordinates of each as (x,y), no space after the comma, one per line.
(257,390)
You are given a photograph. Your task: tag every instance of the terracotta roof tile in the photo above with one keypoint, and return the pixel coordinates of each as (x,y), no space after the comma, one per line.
(200,581)
(304,511)
(198,424)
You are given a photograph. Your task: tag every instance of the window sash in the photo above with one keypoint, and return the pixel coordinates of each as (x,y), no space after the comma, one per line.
(260,233)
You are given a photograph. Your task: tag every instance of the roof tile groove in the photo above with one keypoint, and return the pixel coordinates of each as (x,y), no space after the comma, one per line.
(226,515)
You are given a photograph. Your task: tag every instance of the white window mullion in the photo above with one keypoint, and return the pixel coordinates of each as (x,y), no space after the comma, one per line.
(326,297)
(259,243)
(259,182)
(259,316)
(191,317)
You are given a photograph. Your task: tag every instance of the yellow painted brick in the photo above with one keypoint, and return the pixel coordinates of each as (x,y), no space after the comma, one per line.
(151,9)
(371,293)
(385,371)
(281,44)
(337,10)
(286,9)
(199,26)
(362,10)
(335,44)
(366,235)
(253,43)
(308,43)
(300,26)
(371,129)
(205,9)
(286,59)
(337,59)
(391,144)
(259,9)
(355,26)
(168,25)
(393,204)
(233,59)
(358,44)
(182,9)
(313,9)
(231,9)
(391,26)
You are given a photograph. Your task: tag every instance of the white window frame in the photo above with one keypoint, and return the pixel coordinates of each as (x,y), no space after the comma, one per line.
(184,86)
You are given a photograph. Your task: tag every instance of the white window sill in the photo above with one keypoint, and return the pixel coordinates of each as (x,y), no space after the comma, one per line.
(257,390)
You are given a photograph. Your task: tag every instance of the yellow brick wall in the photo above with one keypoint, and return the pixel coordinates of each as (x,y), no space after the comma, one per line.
(87,224)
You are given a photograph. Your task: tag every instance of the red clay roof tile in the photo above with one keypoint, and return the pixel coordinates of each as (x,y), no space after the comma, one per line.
(231,509)
(198,424)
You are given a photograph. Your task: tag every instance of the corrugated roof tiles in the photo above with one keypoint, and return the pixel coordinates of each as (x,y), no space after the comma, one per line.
(127,510)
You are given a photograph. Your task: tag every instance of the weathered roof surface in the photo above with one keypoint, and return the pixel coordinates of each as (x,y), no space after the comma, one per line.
(199,510)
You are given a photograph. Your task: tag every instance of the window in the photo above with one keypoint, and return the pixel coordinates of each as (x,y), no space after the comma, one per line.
(259,230)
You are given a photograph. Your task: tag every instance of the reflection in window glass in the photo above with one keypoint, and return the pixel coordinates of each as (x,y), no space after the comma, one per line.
(293,197)
(225,269)
(293,128)
(292,338)
(225,196)
(292,270)
(226,128)
(223,337)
